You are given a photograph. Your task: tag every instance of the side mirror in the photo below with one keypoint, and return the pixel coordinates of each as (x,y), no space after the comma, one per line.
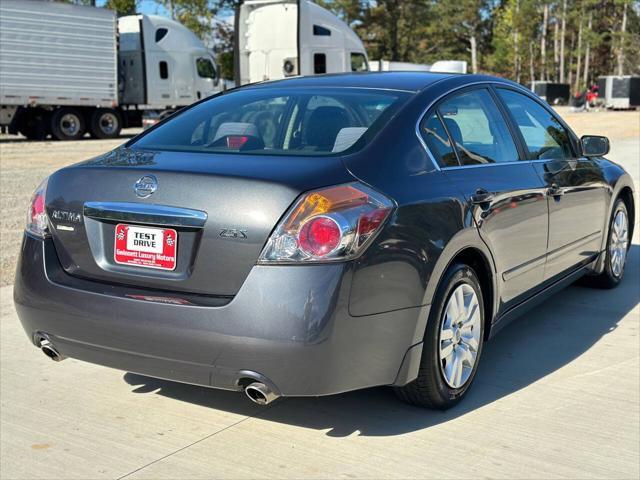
(594,145)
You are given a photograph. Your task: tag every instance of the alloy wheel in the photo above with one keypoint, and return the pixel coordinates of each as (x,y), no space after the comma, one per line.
(460,336)
(618,243)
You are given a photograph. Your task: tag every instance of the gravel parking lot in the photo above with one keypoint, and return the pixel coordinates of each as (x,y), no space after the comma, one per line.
(557,393)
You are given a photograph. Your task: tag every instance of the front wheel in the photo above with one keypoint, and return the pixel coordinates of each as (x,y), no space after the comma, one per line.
(617,249)
(452,343)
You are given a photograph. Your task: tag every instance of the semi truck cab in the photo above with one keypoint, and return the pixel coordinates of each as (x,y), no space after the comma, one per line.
(162,63)
(276,39)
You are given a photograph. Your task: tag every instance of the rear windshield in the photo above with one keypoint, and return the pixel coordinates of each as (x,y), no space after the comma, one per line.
(295,121)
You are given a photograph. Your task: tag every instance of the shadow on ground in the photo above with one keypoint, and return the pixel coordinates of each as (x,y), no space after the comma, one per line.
(532,347)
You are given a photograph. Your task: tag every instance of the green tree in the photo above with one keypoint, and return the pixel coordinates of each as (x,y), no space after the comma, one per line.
(196,15)
(122,7)
(350,11)
(465,24)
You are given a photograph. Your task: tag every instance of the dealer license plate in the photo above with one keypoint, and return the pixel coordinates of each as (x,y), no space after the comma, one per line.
(145,247)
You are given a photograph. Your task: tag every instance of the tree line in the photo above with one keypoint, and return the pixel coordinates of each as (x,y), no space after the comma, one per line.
(566,41)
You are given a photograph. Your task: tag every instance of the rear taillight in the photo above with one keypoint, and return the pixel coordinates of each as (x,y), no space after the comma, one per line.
(331,224)
(37,223)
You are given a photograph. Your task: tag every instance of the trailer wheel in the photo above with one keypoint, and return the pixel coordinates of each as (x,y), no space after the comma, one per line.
(105,123)
(67,124)
(33,125)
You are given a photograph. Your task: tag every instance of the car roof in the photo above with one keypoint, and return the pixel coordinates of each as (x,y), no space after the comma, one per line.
(407,81)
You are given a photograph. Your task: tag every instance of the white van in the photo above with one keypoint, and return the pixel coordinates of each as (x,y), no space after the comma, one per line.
(283,38)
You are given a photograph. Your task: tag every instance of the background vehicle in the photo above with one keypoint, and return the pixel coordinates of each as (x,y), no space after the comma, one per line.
(69,69)
(441,66)
(283,38)
(620,91)
(552,93)
(333,233)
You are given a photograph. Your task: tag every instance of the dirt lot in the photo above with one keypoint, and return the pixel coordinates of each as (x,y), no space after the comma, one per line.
(24,164)
(615,125)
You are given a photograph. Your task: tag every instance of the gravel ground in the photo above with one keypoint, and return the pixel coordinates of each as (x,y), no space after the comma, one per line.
(23,165)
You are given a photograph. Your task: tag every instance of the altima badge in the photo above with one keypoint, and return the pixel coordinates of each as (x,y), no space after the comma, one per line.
(145,186)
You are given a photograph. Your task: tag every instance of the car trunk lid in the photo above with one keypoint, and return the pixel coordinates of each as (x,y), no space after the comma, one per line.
(222,208)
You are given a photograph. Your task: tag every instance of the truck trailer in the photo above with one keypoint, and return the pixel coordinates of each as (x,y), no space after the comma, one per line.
(70,69)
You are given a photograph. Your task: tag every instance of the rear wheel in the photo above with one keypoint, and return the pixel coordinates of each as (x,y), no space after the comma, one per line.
(105,123)
(617,248)
(67,124)
(452,343)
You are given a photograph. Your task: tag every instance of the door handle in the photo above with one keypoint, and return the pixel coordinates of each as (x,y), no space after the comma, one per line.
(481,196)
(555,191)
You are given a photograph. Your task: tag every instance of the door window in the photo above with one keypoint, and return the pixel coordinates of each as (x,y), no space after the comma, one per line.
(205,68)
(319,63)
(543,133)
(478,130)
(359,63)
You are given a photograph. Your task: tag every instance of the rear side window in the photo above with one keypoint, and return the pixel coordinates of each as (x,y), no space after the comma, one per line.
(437,140)
(478,129)
(319,63)
(161,33)
(164,70)
(543,133)
(321,31)
(297,121)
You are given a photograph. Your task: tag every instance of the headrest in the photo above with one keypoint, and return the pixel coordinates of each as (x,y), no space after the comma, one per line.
(236,128)
(347,137)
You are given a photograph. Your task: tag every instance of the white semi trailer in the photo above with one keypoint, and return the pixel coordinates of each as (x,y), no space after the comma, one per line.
(68,69)
(276,39)
(441,66)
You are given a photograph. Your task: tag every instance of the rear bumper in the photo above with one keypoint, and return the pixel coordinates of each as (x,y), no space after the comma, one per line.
(289,324)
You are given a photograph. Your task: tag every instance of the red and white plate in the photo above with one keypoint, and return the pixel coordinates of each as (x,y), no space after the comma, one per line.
(145,246)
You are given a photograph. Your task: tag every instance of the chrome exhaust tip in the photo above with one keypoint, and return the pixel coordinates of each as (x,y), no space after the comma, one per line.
(50,351)
(259,393)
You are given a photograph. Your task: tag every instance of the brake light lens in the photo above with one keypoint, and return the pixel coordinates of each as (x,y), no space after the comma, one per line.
(331,224)
(37,223)
(236,141)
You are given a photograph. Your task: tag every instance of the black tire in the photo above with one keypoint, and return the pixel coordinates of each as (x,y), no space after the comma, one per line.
(105,123)
(33,125)
(430,389)
(608,278)
(67,124)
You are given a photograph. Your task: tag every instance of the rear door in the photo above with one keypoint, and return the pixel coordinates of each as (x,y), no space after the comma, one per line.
(504,194)
(575,186)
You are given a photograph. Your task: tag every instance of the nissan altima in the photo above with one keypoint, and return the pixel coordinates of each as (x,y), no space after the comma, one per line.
(312,236)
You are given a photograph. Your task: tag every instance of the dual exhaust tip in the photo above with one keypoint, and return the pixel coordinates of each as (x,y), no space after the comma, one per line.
(258,392)
(50,350)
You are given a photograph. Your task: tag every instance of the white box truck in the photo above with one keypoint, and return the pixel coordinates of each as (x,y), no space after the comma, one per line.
(276,39)
(68,69)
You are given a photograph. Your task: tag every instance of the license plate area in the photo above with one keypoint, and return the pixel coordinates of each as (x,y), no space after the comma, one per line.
(145,247)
